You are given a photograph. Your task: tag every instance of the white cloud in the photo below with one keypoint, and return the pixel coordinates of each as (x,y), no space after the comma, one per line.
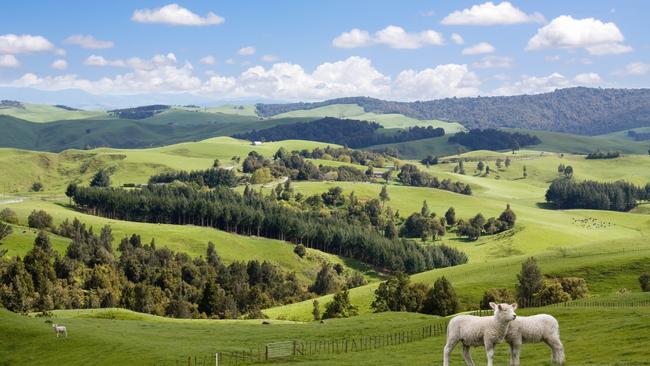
(208,60)
(552,58)
(596,37)
(14,44)
(442,81)
(133,62)
(634,68)
(59,64)
(490,14)
(9,61)
(546,84)
(588,78)
(230,61)
(457,38)
(88,41)
(479,49)
(173,14)
(428,13)
(392,36)
(269,58)
(246,51)
(493,62)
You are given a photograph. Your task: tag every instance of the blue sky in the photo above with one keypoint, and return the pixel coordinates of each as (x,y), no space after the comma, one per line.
(313,50)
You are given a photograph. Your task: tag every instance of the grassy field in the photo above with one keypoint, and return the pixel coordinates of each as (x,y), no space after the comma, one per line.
(126,338)
(389,120)
(48,113)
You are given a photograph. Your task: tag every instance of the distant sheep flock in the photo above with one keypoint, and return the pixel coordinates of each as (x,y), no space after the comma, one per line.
(506,326)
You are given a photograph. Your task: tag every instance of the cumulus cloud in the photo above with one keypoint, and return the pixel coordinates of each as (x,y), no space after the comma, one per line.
(634,68)
(552,58)
(490,14)
(133,62)
(14,44)
(546,84)
(246,51)
(478,49)
(269,58)
(596,37)
(208,60)
(457,38)
(9,61)
(88,41)
(493,62)
(59,64)
(174,14)
(442,81)
(392,36)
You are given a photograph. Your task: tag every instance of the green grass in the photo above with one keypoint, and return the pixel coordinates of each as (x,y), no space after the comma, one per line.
(389,120)
(48,113)
(244,110)
(591,336)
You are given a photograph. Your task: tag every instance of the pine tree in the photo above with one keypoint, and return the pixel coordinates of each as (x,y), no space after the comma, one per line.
(383,195)
(450,216)
(425,209)
(340,306)
(441,299)
(507,162)
(480,166)
(316,310)
(529,282)
(101,179)
(5,230)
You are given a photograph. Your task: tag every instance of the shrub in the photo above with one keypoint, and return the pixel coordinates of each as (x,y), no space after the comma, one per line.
(37,187)
(644,282)
(576,287)
(39,219)
(552,293)
(8,215)
(497,295)
(340,306)
(300,250)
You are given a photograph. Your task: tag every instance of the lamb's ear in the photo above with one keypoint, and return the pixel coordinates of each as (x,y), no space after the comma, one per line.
(500,307)
(514,306)
(493,306)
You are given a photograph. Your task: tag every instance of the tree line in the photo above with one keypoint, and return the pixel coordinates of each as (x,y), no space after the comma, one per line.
(566,193)
(352,133)
(211,178)
(145,278)
(410,175)
(493,139)
(599,154)
(255,214)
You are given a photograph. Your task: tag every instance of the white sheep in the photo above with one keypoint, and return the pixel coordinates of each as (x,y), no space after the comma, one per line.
(479,331)
(535,329)
(60,330)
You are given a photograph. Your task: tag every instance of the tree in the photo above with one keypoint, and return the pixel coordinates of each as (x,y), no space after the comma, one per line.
(391,230)
(450,216)
(326,281)
(101,179)
(568,171)
(529,282)
(424,211)
(261,176)
(37,186)
(387,175)
(560,168)
(393,295)
(644,282)
(499,163)
(340,306)
(5,230)
(300,250)
(9,216)
(525,172)
(383,195)
(216,163)
(316,310)
(480,166)
(497,295)
(507,162)
(441,299)
(508,216)
(39,220)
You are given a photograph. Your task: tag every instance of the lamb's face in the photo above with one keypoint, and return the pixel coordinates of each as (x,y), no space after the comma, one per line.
(504,312)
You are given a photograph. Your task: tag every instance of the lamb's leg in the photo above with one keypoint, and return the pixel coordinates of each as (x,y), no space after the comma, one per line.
(489,351)
(557,350)
(515,350)
(467,356)
(451,343)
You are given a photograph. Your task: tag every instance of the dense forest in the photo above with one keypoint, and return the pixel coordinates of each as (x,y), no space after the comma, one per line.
(139,112)
(567,193)
(493,139)
(210,177)
(354,233)
(346,132)
(587,111)
(144,278)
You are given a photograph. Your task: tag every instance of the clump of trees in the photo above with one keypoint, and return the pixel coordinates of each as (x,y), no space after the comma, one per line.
(332,278)
(598,154)
(429,160)
(493,139)
(39,219)
(210,177)
(101,179)
(399,294)
(145,278)
(410,175)
(352,133)
(535,290)
(346,155)
(340,306)
(357,232)
(616,196)
(478,225)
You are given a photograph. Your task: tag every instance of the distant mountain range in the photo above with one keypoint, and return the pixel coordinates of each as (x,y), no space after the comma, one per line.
(585,111)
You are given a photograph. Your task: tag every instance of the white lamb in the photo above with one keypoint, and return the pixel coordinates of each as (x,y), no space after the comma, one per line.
(60,330)
(479,331)
(535,329)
